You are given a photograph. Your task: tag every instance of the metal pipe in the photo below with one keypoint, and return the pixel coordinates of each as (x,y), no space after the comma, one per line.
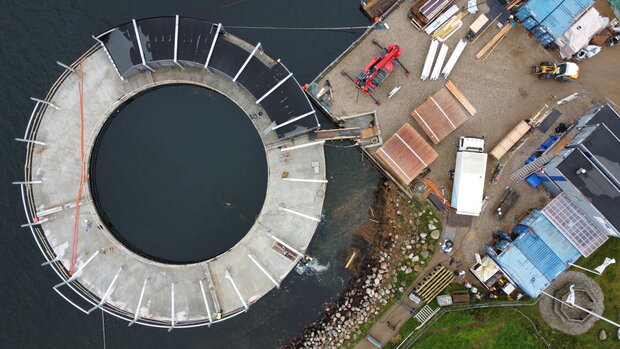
(45,102)
(305,180)
(34,110)
(274,88)
(204,298)
(262,268)
(40,221)
(582,268)
(107,291)
(74,276)
(270,234)
(135,28)
(28,182)
(30,141)
(135,318)
(217,33)
(302,146)
(51,261)
(246,62)
(293,120)
(66,66)
(229,277)
(172,320)
(176,41)
(299,214)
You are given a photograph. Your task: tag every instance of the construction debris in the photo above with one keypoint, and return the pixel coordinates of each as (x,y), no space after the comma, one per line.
(450,27)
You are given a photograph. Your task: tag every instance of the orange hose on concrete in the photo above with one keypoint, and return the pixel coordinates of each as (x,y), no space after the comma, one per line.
(82,176)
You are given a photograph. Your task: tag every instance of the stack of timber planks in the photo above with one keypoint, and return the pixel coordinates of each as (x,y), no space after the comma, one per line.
(434,283)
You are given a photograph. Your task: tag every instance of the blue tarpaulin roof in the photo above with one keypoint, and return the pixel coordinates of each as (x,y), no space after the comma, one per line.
(538,255)
(549,19)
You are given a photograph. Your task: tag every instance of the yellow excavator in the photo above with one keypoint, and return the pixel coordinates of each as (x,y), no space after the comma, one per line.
(567,71)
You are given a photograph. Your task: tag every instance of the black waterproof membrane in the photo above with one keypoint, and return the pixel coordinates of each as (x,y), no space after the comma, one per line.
(150,43)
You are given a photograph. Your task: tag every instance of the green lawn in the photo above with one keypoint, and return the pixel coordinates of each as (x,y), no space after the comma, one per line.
(501,328)
(506,328)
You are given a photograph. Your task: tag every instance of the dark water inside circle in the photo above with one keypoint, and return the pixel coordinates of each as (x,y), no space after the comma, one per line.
(179,174)
(35,34)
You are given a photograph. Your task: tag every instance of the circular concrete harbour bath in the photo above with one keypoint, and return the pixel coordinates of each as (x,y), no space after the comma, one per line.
(97,270)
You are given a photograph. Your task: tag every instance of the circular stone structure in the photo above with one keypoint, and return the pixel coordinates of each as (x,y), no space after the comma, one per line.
(588,295)
(105,273)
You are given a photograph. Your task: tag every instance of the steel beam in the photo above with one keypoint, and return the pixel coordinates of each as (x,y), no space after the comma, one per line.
(234,285)
(135,27)
(274,88)
(217,33)
(172,314)
(66,66)
(204,298)
(45,102)
(176,41)
(293,120)
(74,276)
(135,317)
(108,291)
(270,234)
(28,182)
(263,269)
(30,141)
(299,214)
(40,221)
(305,180)
(302,146)
(246,62)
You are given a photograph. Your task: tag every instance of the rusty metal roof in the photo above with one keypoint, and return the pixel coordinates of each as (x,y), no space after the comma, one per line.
(439,115)
(406,154)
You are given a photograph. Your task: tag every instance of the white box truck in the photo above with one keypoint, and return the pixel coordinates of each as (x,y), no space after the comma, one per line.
(469,176)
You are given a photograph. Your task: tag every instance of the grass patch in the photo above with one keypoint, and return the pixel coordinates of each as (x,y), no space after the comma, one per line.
(505,328)
(497,328)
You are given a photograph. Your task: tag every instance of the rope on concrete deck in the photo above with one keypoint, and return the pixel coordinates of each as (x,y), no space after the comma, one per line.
(82,174)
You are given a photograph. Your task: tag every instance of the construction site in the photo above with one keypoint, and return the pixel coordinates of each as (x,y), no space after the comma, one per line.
(493,123)
(418,115)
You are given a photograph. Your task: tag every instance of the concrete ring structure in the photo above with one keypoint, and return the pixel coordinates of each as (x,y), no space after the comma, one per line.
(572,321)
(131,58)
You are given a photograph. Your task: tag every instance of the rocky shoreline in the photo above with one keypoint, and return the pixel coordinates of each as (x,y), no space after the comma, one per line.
(398,250)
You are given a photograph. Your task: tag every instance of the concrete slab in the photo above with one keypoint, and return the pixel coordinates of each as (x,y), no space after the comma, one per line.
(59,163)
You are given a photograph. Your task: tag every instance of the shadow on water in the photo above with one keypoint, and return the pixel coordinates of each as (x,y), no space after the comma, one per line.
(34,315)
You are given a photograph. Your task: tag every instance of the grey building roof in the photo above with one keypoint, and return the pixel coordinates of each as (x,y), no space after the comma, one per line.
(600,143)
(593,184)
(608,116)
